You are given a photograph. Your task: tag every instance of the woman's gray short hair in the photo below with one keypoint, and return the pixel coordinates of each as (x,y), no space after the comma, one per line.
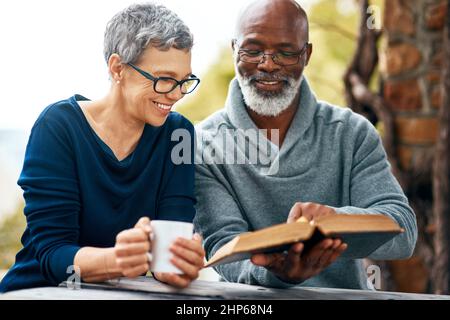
(135,28)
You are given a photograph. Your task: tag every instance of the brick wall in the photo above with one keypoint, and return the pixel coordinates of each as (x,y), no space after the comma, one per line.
(411,67)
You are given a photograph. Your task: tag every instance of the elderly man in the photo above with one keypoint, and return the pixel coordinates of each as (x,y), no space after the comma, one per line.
(324,160)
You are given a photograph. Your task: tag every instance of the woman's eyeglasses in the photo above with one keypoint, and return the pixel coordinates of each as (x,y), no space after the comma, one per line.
(168,84)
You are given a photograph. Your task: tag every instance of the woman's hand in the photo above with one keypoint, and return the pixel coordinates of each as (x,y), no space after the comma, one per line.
(132,248)
(189,258)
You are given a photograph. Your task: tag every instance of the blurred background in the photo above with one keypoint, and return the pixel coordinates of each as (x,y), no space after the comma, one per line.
(393,48)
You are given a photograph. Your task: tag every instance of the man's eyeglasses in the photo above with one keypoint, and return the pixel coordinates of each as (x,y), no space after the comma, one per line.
(282,58)
(168,84)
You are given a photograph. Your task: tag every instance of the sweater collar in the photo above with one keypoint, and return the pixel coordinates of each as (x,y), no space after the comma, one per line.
(239,117)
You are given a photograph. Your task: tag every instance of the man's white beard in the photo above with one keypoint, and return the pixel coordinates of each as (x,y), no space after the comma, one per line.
(268,104)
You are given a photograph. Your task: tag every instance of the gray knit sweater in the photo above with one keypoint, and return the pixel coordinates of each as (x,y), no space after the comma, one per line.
(330,156)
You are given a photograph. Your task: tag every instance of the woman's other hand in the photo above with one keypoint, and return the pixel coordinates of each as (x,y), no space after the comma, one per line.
(132,249)
(189,258)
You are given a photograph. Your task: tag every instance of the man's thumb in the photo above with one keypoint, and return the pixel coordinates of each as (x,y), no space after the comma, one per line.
(295,213)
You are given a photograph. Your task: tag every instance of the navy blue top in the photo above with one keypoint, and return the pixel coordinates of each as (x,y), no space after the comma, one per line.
(77,193)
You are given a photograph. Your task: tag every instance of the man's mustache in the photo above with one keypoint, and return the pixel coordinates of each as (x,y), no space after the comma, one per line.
(262,76)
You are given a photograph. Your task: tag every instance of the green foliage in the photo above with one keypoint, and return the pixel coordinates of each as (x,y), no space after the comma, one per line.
(10,232)
(212,91)
(333,35)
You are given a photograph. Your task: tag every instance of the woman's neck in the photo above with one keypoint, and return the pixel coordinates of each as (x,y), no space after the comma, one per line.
(110,121)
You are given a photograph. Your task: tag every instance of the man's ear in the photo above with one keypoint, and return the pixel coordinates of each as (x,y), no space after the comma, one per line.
(115,67)
(233,44)
(308,53)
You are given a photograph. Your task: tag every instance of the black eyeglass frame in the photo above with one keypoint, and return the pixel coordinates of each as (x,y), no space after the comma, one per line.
(274,56)
(177,83)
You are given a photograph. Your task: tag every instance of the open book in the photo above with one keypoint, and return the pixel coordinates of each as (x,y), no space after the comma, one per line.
(363,233)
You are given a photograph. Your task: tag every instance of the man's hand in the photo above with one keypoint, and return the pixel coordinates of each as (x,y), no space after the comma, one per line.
(309,210)
(296,267)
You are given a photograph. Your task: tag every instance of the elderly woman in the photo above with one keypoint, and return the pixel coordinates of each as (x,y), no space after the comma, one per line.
(96,172)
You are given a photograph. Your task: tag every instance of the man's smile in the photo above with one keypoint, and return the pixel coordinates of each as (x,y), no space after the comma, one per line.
(269,85)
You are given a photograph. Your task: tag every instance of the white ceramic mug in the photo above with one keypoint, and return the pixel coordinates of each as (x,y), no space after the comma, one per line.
(164,235)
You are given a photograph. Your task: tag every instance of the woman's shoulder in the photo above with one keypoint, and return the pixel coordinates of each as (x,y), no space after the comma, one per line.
(61,113)
(176,121)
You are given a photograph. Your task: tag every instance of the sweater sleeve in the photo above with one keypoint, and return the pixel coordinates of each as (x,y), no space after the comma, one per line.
(374,190)
(177,199)
(218,220)
(51,194)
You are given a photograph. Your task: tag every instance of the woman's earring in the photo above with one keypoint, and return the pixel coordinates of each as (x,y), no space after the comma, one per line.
(118,81)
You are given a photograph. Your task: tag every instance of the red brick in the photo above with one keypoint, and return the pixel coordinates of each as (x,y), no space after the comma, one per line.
(398,17)
(403,95)
(435,15)
(410,275)
(434,77)
(417,130)
(436,97)
(405,154)
(402,57)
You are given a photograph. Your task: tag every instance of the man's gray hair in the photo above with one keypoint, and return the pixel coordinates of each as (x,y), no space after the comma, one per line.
(139,26)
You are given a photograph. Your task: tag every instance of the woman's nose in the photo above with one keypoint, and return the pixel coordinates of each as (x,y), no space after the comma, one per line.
(175,94)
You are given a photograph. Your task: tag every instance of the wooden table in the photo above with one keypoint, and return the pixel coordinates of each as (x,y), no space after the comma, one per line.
(150,289)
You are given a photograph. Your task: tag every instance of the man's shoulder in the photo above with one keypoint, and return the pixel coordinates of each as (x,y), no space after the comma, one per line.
(213,122)
(332,114)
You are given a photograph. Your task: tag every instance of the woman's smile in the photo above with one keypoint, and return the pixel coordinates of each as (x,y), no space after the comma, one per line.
(163,108)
